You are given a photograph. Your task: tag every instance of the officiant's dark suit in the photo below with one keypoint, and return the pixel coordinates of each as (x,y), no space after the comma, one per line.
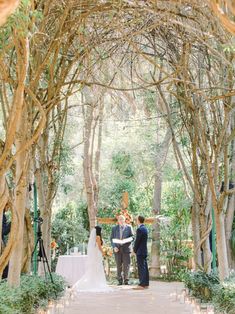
(122,252)
(140,248)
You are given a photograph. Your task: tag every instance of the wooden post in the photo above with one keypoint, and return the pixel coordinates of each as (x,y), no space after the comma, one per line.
(125,200)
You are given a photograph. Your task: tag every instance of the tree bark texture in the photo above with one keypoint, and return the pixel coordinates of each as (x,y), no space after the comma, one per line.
(7,7)
(159,164)
(21,161)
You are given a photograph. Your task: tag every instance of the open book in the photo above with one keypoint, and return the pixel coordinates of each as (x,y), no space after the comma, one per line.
(123,241)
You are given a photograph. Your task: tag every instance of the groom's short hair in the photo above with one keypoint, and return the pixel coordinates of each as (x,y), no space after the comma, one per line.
(141,219)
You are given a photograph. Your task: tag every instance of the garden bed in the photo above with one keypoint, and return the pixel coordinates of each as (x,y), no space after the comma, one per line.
(34,292)
(208,288)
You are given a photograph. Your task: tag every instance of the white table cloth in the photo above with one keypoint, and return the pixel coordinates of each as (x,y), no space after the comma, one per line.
(71,267)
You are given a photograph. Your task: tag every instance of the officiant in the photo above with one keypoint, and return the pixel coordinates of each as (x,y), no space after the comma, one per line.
(121,239)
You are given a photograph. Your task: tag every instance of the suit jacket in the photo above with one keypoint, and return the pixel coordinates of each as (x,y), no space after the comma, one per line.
(140,246)
(128,232)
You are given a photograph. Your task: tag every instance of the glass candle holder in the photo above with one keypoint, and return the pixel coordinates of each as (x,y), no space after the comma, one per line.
(59,307)
(174,296)
(187,299)
(210,309)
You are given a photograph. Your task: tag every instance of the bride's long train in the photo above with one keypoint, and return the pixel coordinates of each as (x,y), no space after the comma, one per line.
(93,279)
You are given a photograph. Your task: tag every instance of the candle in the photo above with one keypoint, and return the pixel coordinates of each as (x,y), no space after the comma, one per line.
(187,300)
(182,299)
(210,309)
(173,296)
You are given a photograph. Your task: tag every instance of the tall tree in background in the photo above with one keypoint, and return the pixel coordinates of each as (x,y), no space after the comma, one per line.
(158,177)
(93,107)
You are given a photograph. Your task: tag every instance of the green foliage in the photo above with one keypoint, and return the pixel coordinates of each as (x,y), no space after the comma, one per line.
(224,296)
(34,292)
(63,162)
(123,176)
(172,276)
(201,284)
(174,201)
(150,102)
(175,234)
(228,48)
(208,288)
(68,227)
(18,21)
(122,163)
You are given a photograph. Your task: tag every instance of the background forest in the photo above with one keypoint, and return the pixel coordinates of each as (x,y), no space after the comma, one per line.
(130,145)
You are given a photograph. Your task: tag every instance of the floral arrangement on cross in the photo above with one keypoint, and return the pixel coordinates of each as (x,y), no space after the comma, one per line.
(117,212)
(124,211)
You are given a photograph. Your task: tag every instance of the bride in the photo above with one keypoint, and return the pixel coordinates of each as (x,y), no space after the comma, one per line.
(93,279)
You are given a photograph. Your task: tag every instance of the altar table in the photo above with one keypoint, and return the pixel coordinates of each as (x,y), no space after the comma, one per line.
(71,267)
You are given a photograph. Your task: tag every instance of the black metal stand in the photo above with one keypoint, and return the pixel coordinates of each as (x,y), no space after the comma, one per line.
(41,250)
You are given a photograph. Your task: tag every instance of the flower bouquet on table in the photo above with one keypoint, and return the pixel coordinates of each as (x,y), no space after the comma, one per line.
(53,248)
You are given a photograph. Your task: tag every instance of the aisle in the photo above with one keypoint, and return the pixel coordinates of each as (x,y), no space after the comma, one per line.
(125,300)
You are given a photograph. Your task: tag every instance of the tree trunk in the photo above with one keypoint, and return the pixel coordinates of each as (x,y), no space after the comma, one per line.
(159,164)
(221,245)
(206,226)
(231,202)
(154,269)
(46,225)
(228,229)
(21,162)
(21,185)
(197,258)
(155,248)
(89,132)
(98,150)
(7,7)
(45,197)
(28,243)
(87,168)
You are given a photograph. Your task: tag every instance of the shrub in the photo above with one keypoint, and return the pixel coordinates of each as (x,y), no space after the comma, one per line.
(224,296)
(33,292)
(208,288)
(201,284)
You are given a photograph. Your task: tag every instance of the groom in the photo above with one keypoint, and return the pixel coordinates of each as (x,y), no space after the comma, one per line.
(140,249)
(122,251)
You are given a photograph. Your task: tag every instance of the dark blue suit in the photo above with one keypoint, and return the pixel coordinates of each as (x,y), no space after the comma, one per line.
(140,248)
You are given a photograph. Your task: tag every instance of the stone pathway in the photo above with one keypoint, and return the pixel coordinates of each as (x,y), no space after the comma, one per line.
(125,300)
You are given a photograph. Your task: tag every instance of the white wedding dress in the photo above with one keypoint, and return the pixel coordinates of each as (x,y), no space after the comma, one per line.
(93,279)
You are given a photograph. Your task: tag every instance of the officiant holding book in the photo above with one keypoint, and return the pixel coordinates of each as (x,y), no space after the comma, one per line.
(121,239)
